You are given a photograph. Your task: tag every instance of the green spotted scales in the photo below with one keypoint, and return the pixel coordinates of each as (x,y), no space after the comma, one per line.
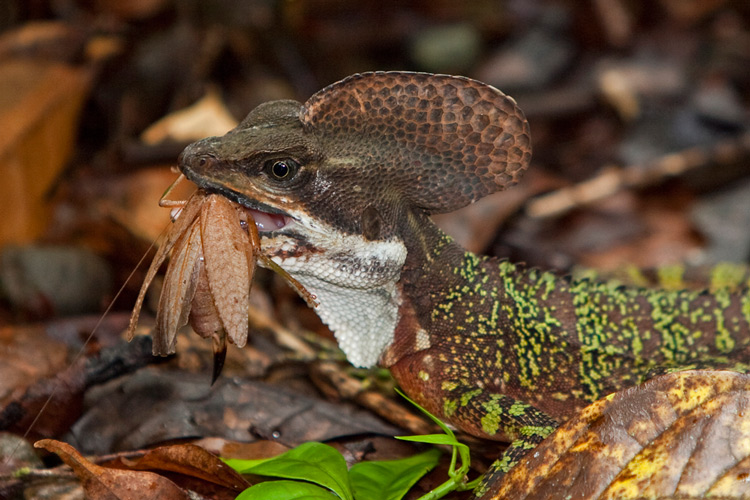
(559,343)
(342,188)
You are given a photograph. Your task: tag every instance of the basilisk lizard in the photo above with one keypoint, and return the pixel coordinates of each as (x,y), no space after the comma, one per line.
(342,188)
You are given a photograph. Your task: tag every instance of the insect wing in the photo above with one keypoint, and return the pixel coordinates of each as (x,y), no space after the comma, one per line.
(224,249)
(178,290)
(187,216)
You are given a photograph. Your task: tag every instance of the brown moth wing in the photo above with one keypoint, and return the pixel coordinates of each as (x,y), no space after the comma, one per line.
(204,318)
(224,248)
(188,214)
(178,290)
(252,249)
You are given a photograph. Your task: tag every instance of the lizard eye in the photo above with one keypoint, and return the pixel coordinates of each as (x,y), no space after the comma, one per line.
(282,169)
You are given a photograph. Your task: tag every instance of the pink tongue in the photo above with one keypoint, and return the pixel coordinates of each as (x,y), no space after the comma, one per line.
(268,222)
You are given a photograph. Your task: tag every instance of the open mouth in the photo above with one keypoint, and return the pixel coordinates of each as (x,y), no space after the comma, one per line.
(266,222)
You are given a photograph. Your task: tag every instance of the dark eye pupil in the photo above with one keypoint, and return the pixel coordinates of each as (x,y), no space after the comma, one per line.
(280,169)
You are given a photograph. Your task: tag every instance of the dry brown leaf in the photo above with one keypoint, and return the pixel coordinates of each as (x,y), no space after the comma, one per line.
(265,448)
(39,108)
(102,483)
(50,405)
(190,460)
(150,407)
(129,198)
(681,435)
(27,354)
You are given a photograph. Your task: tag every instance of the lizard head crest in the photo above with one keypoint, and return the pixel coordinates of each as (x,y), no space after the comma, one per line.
(439,141)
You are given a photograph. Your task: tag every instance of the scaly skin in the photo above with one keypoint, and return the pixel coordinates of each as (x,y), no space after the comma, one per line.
(499,350)
(547,340)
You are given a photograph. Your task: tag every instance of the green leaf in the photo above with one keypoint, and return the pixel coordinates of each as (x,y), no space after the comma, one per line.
(314,462)
(430,438)
(286,490)
(241,464)
(433,439)
(390,479)
(457,476)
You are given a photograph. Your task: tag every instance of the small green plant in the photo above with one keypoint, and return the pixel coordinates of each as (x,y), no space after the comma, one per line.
(318,471)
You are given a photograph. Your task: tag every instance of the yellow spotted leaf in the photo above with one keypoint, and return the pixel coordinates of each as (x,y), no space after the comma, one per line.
(683,435)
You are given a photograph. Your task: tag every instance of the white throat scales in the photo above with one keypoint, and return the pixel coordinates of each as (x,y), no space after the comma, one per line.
(355,283)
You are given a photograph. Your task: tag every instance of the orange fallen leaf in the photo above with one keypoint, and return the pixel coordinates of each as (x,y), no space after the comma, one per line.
(39,111)
(190,460)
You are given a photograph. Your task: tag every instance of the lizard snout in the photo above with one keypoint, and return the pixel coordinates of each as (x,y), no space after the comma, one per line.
(197,159)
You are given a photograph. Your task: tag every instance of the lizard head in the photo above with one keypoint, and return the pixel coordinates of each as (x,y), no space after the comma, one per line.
(331,181)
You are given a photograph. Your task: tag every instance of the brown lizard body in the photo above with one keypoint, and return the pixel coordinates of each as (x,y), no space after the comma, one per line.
(348,181)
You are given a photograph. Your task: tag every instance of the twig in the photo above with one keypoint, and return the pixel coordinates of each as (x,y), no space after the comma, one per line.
(613,179)
(353,389)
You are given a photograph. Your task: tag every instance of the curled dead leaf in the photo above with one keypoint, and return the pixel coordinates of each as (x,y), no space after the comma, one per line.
(190,460)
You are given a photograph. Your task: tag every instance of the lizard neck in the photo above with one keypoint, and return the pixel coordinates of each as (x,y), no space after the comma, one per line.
(432,270)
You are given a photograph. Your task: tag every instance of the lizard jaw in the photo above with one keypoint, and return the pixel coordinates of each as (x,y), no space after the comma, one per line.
(267,218)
